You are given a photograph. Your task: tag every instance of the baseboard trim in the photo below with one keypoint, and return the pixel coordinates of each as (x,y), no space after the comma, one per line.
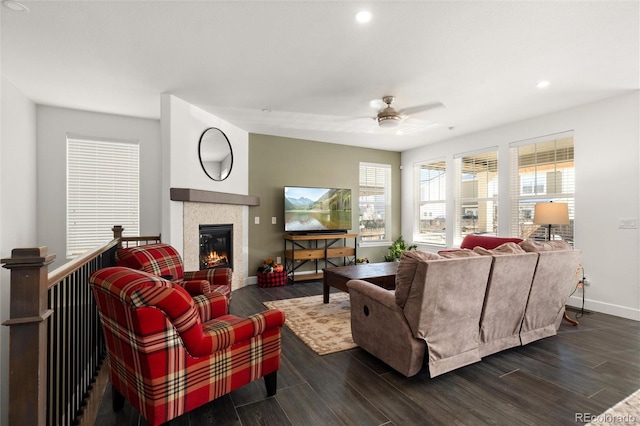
(605,308)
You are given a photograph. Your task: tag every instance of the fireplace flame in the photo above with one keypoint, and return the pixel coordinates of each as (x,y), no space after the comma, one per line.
(214,259)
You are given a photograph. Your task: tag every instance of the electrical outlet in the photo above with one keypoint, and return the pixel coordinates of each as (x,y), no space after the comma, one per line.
(273,220)
(586,281)
(278,260)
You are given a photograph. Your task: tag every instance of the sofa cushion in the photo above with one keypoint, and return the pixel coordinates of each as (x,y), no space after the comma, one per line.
(502,249)
(407,270)
(487,241)
(540,246)
(452,254)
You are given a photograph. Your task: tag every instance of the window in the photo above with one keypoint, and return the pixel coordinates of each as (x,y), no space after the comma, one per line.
(542,171)
(375,203)
(102,191)
(476,203)
(431,209)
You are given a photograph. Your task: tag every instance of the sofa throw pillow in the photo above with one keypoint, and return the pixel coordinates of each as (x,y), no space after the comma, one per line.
(406,271)
(538,246)
(506,248)
(487,241)
(453,254)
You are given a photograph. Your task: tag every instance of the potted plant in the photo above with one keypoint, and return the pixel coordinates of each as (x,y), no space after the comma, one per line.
(396,249)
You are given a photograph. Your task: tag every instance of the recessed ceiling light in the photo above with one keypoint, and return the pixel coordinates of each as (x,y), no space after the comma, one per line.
(15,6)
(542,84)
(363,16)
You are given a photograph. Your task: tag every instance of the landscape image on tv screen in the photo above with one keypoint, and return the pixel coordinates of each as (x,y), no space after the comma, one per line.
(316,209)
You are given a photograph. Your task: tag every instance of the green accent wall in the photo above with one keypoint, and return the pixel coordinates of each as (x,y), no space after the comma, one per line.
(276,162)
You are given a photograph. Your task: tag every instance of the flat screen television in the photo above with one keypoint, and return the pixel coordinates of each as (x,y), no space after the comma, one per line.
(316,210)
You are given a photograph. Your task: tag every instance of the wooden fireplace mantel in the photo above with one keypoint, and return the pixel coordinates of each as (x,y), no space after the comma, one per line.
(202,196)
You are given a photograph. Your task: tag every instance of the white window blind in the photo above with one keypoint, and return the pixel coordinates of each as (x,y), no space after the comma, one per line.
(102,191)
(476,200)
(542,171)
(431,206)
(375,203)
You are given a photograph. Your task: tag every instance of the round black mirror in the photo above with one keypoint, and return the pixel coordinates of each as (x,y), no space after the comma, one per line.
(216,155)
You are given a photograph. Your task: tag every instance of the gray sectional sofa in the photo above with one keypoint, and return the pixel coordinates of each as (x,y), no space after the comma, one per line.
(458,306)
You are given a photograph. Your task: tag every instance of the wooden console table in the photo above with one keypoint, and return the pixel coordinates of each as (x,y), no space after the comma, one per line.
(301,249)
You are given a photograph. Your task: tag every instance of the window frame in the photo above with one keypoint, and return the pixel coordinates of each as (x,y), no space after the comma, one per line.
(384,169)
(438,203)
(462,198)
(102,190)
(523,204)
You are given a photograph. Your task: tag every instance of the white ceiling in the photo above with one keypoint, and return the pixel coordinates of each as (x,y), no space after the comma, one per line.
(315,70)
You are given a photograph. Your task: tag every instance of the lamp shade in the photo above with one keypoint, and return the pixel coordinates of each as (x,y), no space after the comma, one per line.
(551,213)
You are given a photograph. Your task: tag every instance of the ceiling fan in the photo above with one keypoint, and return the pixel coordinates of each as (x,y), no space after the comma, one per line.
(390,117)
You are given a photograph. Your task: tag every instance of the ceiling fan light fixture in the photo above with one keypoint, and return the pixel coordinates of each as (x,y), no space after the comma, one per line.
(389,120)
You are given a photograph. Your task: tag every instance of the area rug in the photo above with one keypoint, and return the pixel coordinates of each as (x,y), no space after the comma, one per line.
(324,327)
(625,412)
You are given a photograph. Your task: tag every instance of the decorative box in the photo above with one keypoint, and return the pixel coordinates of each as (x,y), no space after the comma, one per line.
(272,279)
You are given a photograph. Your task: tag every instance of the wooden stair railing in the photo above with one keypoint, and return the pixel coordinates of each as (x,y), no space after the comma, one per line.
(55,338)
(133,241)
(56,346)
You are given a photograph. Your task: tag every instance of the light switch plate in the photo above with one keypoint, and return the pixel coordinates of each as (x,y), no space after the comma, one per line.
(273,220)
(628,223)
(257,220)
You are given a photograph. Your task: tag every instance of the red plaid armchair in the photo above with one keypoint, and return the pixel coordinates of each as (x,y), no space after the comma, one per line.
(165,261)
(170,353)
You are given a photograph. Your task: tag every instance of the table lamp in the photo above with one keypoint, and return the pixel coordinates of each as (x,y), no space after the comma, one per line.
(551,214)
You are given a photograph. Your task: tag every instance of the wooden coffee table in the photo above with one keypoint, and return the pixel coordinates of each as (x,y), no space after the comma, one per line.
(381,274)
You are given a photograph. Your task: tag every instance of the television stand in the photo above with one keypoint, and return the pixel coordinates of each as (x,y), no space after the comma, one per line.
(302,249)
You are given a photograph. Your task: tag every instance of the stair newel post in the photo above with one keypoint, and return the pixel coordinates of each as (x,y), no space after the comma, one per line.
(117,233)
(28,334)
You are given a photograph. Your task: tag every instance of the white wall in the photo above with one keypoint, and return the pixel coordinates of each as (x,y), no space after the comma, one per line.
(53,124)
(607,159)
(182,125)
(18,207)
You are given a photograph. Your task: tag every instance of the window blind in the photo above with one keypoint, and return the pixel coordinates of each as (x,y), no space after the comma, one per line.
(542,171)
(102,191)
(476,201)
(375,202)
(431,208)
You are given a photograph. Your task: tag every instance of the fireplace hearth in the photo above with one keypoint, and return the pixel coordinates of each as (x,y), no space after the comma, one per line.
(216,246)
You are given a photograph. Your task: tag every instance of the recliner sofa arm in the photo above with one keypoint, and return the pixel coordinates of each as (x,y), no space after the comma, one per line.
(374,292)
(378,326)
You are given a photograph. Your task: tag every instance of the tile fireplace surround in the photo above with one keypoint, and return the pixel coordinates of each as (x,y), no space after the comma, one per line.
(209,208)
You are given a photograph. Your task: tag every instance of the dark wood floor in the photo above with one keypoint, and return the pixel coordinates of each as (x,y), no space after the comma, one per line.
(585,369)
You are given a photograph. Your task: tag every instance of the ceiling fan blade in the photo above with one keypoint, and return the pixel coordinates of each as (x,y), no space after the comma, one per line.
(359,118)
(421,108)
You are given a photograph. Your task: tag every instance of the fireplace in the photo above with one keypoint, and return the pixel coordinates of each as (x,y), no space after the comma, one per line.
(216,246)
